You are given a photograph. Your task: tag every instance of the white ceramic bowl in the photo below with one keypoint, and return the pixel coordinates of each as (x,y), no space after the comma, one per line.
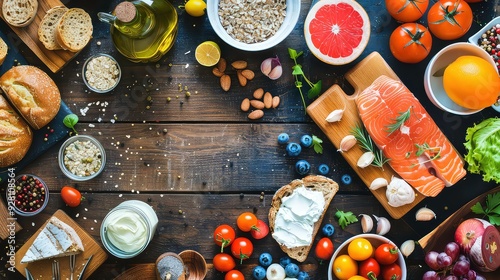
(375,240)
(434,84)
(292,15)
(474,39)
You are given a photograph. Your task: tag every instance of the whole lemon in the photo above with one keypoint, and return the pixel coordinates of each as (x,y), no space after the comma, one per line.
(195,8)
(471,82)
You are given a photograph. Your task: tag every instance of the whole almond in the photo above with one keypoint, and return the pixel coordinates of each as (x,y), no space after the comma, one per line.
(225,82)
(276,101)
(239,64)
(268,100)
(258,93)
(221,65)
(245,105)
(257,104)
(249,74)
(217,72)
(257,114)
(241,78)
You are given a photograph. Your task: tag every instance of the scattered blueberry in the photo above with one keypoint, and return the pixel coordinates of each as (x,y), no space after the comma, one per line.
(303,276)
(302,167)
(265,259)
(293,149)
(259,272)
(323,169)
(284,261)
(328,230)
(292,270)
(283,138)
(346,179)
(306,141)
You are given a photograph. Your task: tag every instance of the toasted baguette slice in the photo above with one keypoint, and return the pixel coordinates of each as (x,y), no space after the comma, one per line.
(19,13)
(74,30)
(47,27)
(3,50)
(313,182)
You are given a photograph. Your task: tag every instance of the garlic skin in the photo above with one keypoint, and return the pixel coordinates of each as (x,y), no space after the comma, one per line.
(271,67)
(366,223)
(407,247)
(335,116)
(378,183)
(383,225)
(347,143)
(425,214)
(365,159)
(399,192)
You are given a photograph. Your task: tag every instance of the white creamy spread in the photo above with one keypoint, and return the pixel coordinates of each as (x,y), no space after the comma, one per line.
(126,230)
(295,219)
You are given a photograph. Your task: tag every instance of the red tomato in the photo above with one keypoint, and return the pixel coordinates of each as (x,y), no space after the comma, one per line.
(224,262)
(410,42)
(406,11)
(260,231)
(369,268)
(386,253)
(71,196)
(242,248)
(391,272)
(246,221)
(449,19)
(324,249)
(234,275)
(224,236)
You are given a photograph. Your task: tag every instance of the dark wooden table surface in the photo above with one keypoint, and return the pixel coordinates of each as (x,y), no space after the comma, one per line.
(212,163)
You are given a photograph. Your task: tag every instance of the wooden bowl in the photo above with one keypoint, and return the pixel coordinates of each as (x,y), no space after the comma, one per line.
(170,262)
(195,265)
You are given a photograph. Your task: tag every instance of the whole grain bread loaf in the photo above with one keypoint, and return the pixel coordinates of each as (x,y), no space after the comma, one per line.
(19,13)
(74,30)
(319,183)
(3,50)
(48,25)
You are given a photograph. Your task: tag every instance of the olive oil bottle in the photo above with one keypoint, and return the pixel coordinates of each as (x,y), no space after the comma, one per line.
(142,30)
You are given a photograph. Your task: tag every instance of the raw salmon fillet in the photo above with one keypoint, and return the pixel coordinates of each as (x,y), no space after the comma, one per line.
(379,105)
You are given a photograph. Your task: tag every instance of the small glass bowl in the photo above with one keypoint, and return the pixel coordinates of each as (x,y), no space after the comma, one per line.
(12,194)
(62,152)
(105,75)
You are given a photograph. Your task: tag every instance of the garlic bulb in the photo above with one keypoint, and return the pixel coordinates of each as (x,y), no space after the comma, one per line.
(407,247)
(335,115)
(275,272)
(399,192)
(271,67)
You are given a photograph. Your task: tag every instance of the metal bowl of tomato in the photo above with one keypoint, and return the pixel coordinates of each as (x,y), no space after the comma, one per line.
(367,252)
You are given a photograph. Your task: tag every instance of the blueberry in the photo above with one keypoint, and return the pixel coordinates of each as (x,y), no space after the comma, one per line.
(306,141)
(292,270)
(302,167)
(284,261)
(259,272)
(323,169)
(265,259)
(328,230)
(303,276)
(293,149)
(346,179)
(283,138)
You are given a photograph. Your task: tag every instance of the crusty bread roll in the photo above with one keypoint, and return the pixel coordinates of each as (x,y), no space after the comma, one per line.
(15,135)
(48,25)
(33,93)
(3,50)
(312,182)
(74,30)
(19,13)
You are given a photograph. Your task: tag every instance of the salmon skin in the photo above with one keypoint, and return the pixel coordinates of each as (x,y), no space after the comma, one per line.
(417,149)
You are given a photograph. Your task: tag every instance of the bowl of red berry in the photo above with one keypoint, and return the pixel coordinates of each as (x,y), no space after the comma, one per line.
(29,195)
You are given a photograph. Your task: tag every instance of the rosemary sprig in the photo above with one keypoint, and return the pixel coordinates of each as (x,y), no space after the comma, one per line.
(434,152)
(399,121)
(366,143)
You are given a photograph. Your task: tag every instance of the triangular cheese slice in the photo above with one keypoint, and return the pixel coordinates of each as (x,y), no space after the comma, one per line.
(57,239)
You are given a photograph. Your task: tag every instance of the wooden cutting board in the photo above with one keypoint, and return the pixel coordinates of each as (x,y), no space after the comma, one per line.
(54,60)
(5,221)
(360,77)
(43,269)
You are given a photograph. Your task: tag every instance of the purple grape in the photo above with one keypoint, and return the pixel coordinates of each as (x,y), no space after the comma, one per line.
(471,275)
(450,277)
(453,250)
(480,277)
(430,275)
(462,258)
(443,260)
(431,260)
(461,268)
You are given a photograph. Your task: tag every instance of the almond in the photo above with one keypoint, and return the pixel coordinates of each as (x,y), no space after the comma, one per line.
(258,93)
(241,78)
(245,105)
(257,114)
(217,72)
(239,64)
(249,74)
(221,65)
(268,100)
(276,101)
(257,104)
(225,82)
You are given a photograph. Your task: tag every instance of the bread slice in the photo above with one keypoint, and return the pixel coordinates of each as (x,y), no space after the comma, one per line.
(318,183)
(48,25)
(19,13)
(74,30)
(3,50)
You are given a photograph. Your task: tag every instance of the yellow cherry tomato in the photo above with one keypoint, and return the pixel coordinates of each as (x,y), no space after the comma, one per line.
(360,249)
(357,277)
(344,267)
(195,8)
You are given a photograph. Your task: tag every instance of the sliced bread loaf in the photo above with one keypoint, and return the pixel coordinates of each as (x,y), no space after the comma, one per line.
(19,13)
(74,30)
(326,186)
(48,25)
(3,50)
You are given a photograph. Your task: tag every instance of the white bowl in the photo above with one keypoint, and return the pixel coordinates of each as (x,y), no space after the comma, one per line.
(434,85)
(292,15)
(474,39)
(375,240)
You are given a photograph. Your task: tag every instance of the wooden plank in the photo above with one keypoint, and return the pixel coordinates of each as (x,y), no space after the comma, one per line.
(6,220)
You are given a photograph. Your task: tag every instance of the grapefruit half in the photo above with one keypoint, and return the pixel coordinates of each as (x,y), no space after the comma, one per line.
(337,31)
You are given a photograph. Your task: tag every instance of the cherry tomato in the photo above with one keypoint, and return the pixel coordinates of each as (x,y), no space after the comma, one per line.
(234,275)
(391,272)
(224,262)
(360,249)
(224,236)
(449,19)
(369,268)
(71,196)
(324,249)
(242,248)
(246,221)
(260,231)
(344,267)
(195,8)
(386,253)
(406,11)
(357,277)
(410,42)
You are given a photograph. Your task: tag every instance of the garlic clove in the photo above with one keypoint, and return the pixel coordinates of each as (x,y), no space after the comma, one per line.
(425,214)
(265,66)
(335,115)
(276,72)
(347,143)
(366,223)
(383,225)
(407,247)
(365,159)
(378,183)
(271,67)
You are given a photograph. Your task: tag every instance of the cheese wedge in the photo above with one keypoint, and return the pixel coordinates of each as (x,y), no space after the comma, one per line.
(57,239)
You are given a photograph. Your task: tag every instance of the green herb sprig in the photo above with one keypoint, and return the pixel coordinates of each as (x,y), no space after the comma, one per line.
(70,121)
(315,88)
(492,209)
(366,143)
(317,144)
(345,218)
(399,121)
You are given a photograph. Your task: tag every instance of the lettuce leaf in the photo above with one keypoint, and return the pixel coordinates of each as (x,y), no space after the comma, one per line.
(483,142)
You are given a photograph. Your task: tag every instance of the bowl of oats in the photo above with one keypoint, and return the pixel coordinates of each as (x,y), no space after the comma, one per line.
(81,157)
(253,25)
(101,73)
